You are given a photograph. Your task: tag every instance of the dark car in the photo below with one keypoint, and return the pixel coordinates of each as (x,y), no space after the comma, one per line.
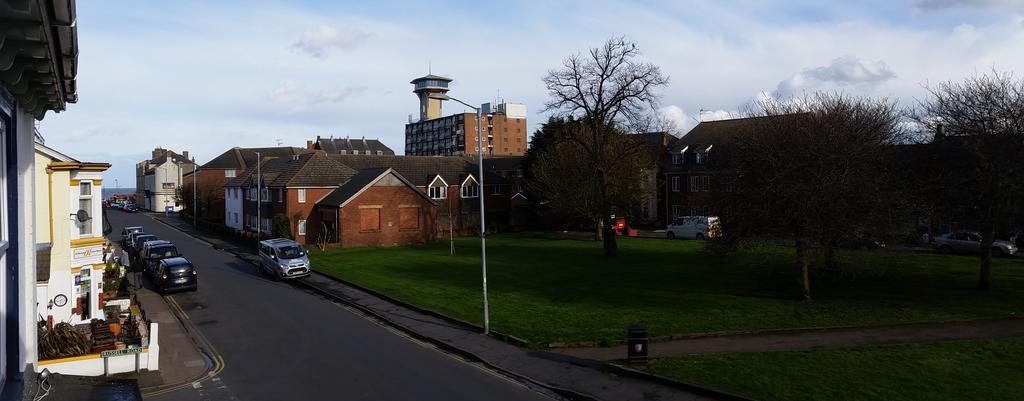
(176,274)
(126,234)
(137,241)
(130,208)
(151,256)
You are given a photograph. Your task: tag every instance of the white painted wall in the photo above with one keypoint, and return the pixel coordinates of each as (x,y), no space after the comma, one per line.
(233,208)
(149,358)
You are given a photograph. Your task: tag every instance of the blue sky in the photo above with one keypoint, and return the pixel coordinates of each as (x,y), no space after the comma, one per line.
(206,76)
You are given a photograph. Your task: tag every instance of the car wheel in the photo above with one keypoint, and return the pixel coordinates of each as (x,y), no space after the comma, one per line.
(700,236)
(944,249)
(671,235)
(998,252)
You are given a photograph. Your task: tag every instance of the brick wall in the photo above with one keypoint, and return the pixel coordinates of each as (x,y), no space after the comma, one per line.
(385,216)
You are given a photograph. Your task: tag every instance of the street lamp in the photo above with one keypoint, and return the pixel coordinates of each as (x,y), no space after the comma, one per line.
(480,193)
(259,212)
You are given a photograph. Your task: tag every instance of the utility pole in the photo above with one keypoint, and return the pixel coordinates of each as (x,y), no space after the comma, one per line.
(259,205)
(195,197)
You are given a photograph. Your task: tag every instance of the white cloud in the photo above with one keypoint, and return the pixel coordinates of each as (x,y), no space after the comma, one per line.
(684,122)
(302,99)
(315,42)
(842,73)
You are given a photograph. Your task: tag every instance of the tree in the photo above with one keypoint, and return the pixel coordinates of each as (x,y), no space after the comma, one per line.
(608,92)
(282,226)
(816,170)
(979,126)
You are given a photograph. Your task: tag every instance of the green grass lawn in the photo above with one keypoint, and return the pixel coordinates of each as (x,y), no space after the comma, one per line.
(546,289)
(973,370)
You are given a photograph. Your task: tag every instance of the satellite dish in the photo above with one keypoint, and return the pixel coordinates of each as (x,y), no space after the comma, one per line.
(82,215)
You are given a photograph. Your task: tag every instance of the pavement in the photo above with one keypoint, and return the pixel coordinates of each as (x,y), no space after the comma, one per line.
(584,377)
(275,341)
(805,339)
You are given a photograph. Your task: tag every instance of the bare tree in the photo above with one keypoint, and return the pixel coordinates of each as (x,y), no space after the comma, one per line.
(814,169)
(609,92)
(979,126)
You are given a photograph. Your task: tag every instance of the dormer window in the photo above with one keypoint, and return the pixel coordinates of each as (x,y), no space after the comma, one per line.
(438,189)
(698,157)
(470,188)
(677,159)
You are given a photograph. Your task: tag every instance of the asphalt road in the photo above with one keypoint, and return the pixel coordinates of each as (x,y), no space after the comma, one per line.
(281,343)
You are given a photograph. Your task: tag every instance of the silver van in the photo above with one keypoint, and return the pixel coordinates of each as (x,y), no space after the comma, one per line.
(283,258)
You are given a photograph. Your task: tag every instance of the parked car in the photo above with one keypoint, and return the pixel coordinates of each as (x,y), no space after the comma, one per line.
(283,258)
(968,242)
(130,208)
(865,244)
(153,253)
(174,274)
(137,241)
(696,227)
(126,234)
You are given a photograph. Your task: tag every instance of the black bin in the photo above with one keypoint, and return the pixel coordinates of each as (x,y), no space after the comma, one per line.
(636,341)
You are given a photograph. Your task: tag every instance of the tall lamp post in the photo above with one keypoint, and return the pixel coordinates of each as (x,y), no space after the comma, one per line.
(259,205)
(480,194)
(195,202)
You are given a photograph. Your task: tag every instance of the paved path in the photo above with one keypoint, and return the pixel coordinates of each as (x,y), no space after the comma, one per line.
(786,340)
(278,342)
(577,375)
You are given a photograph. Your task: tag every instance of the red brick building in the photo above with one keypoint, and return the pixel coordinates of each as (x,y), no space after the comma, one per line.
(376,207)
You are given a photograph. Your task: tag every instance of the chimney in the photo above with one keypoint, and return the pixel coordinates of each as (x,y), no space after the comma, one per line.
(184,154)
(309,144)
(157,152)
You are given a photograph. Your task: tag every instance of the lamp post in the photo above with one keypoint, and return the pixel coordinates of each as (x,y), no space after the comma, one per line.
(195,201)
(259,212)
(480,194)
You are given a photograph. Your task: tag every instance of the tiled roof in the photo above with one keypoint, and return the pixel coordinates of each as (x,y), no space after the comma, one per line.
(711,132)
(512,163)
(313,169)
(420,170)
(241,158)
(360,180)
(352,145)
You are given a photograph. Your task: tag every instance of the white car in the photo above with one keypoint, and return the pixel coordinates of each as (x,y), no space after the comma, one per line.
(696,227)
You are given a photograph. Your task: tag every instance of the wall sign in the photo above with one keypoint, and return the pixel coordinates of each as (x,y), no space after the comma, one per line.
(167,185)
(81,254)
(60,300)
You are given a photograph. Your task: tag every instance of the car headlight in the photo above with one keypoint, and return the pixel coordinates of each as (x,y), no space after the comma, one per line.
(283,266)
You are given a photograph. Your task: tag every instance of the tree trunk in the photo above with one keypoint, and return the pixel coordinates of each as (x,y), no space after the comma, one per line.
(803,280)
(830,257)
(599,230)
(610,247)
(985,272)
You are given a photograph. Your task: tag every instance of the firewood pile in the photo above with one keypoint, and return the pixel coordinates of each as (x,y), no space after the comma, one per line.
(62,341)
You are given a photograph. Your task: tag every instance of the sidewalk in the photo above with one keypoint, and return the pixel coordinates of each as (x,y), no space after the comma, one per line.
(180,360)
(552,370)
(803,339)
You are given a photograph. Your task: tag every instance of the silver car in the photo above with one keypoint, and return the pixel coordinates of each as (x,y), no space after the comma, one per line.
(968,242)
(283,258)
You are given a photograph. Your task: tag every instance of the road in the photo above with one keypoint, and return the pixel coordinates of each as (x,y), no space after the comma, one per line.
(281,343)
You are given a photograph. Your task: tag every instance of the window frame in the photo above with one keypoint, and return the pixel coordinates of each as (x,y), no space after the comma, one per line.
(300,227)
(301,194)
(85,227)
(230,173)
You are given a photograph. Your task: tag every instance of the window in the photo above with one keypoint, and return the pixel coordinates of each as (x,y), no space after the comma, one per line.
(698,157)
(408,218)
(229,173)
(380,152)
(264,194)
(677,158)
(85,203)
(236,217)
(302,195)
(369,219)
(675,184)
(675,211)
(496,190)
(280,195)
(437,193)
(518,173)
(700,183)
(343,151)
(470,191)
(302,227)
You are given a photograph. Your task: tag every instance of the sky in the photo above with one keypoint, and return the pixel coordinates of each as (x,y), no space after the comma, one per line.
(207,76)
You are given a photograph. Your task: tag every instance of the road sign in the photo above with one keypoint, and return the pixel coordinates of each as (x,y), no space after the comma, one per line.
(121,352)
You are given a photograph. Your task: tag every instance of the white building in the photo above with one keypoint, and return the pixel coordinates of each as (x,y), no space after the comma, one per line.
(39,47)
(158,180)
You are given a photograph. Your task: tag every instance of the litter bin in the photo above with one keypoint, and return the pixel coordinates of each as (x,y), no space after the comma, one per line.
(636,340)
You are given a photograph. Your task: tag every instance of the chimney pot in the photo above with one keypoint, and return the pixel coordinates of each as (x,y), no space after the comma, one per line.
(309,144)
(184,155)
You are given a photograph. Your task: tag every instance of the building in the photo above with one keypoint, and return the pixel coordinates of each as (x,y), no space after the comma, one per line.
(40,59)
(656,145)
(214,174)
(69,237)
(503,127)
(347,146)
(376,207)
(158,180)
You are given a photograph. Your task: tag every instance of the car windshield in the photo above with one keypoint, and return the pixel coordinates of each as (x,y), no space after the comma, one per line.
(290,252)
(163,252)
(143,238)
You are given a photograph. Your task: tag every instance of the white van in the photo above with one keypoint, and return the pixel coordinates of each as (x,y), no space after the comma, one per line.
(696,227)
(284,258)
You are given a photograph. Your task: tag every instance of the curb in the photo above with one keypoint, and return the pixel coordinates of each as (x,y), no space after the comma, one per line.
(510,339)
(559,391)
(630,372)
